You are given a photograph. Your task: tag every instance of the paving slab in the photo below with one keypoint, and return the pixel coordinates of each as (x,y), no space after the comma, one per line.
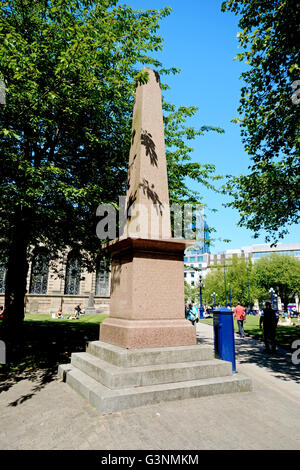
(53,416)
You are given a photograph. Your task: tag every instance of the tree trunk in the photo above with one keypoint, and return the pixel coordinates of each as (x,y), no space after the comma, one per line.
(16,274)
(285,303)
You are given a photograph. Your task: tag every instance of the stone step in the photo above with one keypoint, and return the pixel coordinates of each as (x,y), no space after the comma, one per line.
(115,377)
(106,400)
(150,356)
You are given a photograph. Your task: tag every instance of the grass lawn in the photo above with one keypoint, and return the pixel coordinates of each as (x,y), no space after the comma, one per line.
(285,335)
(44,342)
(82,318)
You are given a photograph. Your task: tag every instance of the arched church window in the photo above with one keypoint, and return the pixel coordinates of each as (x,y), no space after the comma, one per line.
(73,275)
(102,279)
(2,279)
(39,273)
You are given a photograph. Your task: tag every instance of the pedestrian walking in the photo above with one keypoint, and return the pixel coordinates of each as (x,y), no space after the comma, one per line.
(268,321)
(196,313)
(77,311)
(239,314)
(191,314)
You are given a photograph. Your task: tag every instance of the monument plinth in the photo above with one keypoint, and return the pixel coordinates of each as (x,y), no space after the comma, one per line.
(90,310)
(147,270)
(147,295)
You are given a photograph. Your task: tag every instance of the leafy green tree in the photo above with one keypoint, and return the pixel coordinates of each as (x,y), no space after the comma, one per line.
(239,274)
(190,293)
(179,157)
(70,69)
(267,198)
(214,282)
(280,272)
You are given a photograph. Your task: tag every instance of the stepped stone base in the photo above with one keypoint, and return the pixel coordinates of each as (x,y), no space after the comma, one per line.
(111,378)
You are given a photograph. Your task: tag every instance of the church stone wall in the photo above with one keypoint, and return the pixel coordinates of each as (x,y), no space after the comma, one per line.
(56,298)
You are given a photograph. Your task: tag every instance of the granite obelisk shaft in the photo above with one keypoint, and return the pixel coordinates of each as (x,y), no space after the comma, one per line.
(147,199)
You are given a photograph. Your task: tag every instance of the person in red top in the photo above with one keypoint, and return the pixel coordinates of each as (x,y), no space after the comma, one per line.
(239,313)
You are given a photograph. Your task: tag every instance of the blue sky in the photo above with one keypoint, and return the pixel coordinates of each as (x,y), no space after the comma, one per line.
(201,41)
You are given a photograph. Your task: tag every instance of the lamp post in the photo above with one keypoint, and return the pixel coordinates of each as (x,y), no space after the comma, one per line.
(201,285)
(229,288)
(214,295)
(276,297)
(225,284)
(272,294)
(249,302)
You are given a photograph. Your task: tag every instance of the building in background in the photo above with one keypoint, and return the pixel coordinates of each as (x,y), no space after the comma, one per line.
(64,284)
(255,252)
(196,258)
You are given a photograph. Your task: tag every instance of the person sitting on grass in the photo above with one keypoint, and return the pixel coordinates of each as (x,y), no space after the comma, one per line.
(73,317)
(59,313)
(287,321)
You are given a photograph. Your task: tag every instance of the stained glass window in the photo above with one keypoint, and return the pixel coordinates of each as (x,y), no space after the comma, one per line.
(39,273)
(102,280)
(73,274)
(2,279)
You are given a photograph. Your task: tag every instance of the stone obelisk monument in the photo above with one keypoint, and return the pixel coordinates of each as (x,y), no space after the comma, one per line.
(147,269)
(147,351)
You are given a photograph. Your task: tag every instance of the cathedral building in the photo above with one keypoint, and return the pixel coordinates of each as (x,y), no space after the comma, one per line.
(65,285)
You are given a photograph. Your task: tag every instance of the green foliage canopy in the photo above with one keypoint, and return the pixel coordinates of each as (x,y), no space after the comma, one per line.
(70,68)
(268,197)
(281,272)
(250,280)
(236,272)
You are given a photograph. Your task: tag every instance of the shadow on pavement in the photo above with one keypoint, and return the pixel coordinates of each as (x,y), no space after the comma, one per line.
(250,351)
(35,351)
(39,377)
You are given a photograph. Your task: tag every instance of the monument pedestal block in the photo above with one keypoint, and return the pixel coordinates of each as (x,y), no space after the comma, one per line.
(90,311)
(147,295)
(133,334)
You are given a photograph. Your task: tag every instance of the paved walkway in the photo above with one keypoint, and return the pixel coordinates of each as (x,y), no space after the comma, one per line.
(37,414)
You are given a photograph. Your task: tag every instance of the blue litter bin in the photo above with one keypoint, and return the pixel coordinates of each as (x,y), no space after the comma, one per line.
(224,335)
